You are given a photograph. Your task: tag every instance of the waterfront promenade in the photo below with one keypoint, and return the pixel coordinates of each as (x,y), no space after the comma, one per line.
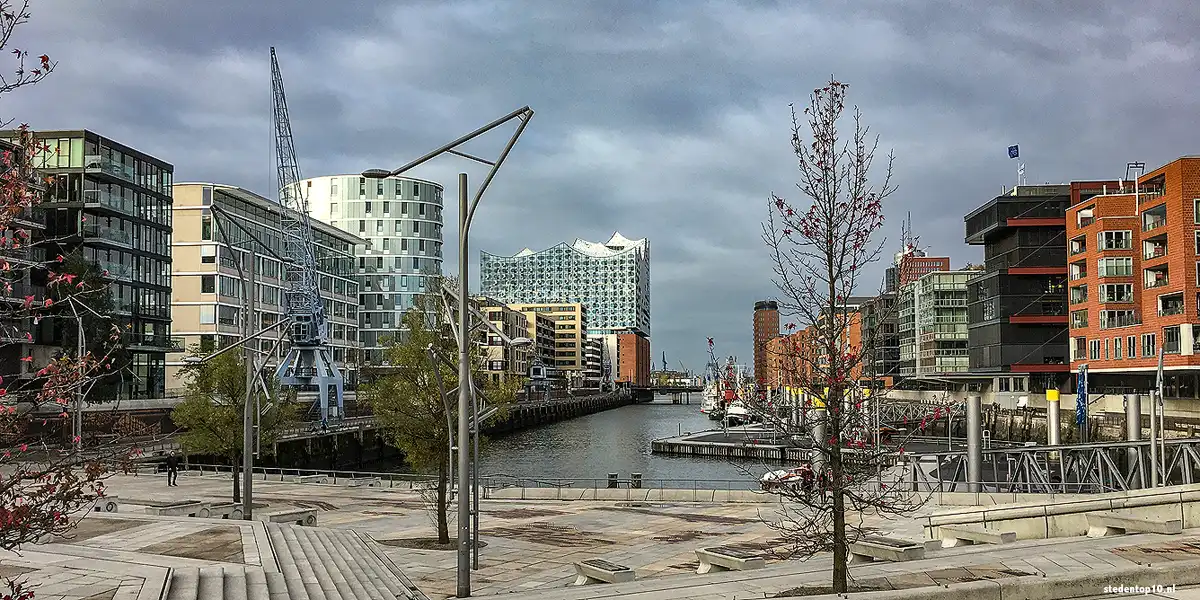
(366,536)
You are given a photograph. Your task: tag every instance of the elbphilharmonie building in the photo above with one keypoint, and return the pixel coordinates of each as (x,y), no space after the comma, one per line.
(612,279)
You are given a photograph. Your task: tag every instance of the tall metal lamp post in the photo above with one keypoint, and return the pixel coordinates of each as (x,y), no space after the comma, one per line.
(466,210)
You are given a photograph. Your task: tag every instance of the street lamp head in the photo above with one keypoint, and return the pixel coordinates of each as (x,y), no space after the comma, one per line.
(377,173)
(193,359)
(521,342)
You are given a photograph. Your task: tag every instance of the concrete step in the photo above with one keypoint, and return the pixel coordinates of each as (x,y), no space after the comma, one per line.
(361,567)
(185,584)
(212,583)
(235,583)
(257,587)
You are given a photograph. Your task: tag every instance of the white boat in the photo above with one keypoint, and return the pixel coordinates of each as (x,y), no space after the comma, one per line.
(737,413)
(710,398)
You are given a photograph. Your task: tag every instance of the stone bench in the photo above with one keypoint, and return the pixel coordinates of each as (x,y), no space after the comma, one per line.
(299,516)
(366,481)
(311,479)
(180,509)
(594,570)
(106,504)
(721,558)
(960,535)
(228,510)
(873,548)
(1102,524)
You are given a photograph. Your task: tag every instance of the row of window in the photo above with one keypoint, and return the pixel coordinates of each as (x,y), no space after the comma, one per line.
(432,247)
(392,187)
(419,264)
(355,209)
(430,230)
(1111,348)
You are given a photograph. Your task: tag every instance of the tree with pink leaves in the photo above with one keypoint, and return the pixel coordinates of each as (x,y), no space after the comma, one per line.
(44,477)
(820,247)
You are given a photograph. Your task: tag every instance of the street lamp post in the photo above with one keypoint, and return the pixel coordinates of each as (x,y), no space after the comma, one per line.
(466,210)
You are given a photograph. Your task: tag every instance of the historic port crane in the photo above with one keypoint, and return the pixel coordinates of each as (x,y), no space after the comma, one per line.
(309,362)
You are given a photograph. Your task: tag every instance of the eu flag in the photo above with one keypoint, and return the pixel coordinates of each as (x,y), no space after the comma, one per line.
(1013,152)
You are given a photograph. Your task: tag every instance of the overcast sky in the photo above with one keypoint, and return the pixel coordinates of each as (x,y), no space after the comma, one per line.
(665,120)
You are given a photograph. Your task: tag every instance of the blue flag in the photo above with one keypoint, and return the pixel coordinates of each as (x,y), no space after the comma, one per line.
(1013,152)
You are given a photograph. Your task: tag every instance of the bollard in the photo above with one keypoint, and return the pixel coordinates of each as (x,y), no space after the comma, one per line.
(1052,415)
(974,443)
(635,481)
(612,481)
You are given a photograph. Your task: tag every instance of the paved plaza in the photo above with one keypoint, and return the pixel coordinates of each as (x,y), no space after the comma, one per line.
(362,546)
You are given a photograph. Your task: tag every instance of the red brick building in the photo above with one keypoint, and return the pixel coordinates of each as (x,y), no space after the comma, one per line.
(633,358)
(1132,257)
(766,328)
(913,264)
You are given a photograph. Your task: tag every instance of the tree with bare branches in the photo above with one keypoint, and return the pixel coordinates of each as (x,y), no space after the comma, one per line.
(819,249)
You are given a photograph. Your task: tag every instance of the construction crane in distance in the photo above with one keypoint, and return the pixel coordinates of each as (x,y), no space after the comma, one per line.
(309,362)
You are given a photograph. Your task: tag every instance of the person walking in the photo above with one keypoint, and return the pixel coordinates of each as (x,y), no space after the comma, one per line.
(172,470)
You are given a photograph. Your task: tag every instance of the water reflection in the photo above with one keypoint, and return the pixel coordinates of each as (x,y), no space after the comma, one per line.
(613,441)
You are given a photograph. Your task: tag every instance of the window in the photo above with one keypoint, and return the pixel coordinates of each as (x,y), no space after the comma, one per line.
(1171,340)
(362,187)
(208,254)
(333,208)
(1130,346)
(421,209)
(333,191)
(362,226)
(1079,294)
(208,315)
(1116,292)
(1094,349)
(385,208)
(1116,267)
(208,284)
(206,196)
(403,242)
(1116,240)
(416,227)
(1002,384)
(1079,319)
(379,188)
(1117,348)
(367,205)
(416,190)
(399,188)
(206,226)
(398,263)
(404,208)
(379,262)
(379,227)
(1149,345)
(421,245)
(416,263)
(385,244)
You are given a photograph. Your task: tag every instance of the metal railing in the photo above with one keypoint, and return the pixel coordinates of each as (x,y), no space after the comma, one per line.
(387,479)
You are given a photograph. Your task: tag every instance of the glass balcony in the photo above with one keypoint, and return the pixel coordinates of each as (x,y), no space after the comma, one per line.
(1119,320)
(98,164)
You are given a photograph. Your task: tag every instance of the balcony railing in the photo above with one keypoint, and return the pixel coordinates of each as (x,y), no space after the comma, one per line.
(1119,321)
(1157,283)
(1153,223)
(96,163)
(1085,221)
(1173,309)
(1153,253)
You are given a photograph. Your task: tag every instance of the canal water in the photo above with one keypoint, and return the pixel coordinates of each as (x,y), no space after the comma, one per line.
(615,441)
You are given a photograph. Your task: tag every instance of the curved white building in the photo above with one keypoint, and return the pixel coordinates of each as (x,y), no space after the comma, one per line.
(401,220)
(611,279)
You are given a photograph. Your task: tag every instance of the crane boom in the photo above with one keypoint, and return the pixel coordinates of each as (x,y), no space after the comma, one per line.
(309,361)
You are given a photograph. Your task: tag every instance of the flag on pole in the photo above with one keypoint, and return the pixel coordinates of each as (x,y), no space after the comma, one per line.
(1013,151)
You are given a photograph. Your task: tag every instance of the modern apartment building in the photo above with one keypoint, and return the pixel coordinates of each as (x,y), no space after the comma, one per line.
(611,279)
(1134,266)
(541,331)
(570,332)
(933,324)
(1017,306)
(881,338)
(206,297)
(23,278)
(593,362)
(111,204)
(766,327)
(500,361)
(400,221)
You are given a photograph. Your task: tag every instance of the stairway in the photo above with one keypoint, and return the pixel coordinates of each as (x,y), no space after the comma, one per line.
(314,563)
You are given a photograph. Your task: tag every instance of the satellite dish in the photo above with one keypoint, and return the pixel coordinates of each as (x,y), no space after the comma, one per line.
(1023,402)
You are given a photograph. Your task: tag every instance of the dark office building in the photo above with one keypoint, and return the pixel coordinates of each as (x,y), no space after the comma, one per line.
(880,338)
(111,205)
(1017,307)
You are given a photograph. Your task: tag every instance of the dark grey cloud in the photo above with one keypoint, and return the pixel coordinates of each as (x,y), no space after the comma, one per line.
(659,119)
